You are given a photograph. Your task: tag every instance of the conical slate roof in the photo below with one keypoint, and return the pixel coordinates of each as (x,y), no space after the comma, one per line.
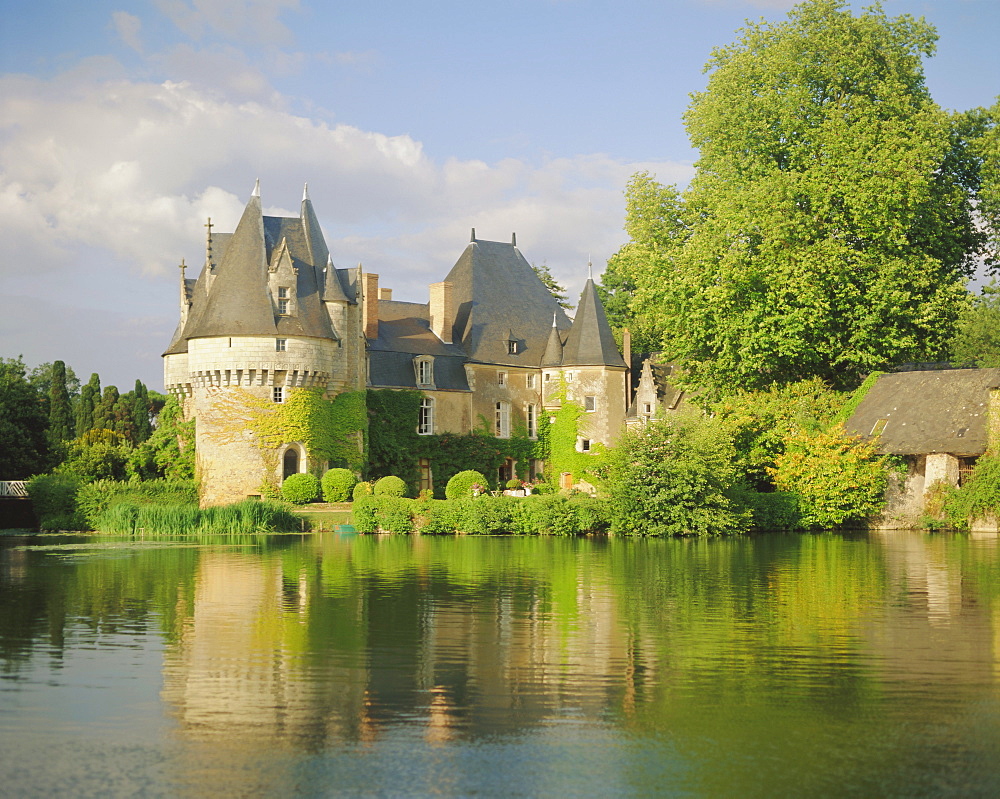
(591,342)
(497,294)
(554,348)
(237,302)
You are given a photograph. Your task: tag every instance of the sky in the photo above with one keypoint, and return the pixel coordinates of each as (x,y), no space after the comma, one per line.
(125,125)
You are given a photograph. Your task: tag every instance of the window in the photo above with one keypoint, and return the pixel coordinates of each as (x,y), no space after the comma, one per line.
(529,380)
(278,394)
(280,344)
(647,407)
(425,372)
(283,300)
(584,445)
(283,292)
(426,476)
(501,378)
(502,427)
(531,414)
(590,404)
(569,377)
(425,423)
(512,348)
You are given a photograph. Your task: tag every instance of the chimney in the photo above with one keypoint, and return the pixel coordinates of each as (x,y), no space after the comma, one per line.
(385,294)
(442,311)
(369,293)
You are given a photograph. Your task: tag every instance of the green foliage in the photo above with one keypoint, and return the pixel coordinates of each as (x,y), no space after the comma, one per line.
(759,422)
(829,227)
(242,518)
(979,498)
(169,450)
(776,510)
(460,485)
(338,485)
(61,421)
(24,445)
(387,514)
(389,486)
(513,484)
(674,477)
(977,337)
(90,395)
(555,289)
(392,439)
(94,499)
(839,479)
(53,497)
(300,488)
(565,425)
(362,489)
(99,454)
(854,400)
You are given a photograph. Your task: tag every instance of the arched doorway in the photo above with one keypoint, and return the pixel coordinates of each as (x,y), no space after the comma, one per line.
(290,463)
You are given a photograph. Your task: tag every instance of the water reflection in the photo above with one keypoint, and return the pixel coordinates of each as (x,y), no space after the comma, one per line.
(775,664)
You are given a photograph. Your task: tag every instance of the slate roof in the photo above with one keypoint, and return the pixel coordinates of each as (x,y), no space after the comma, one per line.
(928,412)
(590,341)
(404,331)
(495,292)
(239,303)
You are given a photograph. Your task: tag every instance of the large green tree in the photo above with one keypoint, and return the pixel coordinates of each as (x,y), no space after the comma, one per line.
(23,424)
(829,228)
(61,421)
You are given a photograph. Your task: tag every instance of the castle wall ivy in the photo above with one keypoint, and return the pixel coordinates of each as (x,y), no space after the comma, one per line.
(561,434)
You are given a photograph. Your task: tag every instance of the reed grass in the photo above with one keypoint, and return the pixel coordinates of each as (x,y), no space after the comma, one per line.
(185,519)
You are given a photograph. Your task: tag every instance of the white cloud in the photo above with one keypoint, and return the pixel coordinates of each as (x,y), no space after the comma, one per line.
(127,26)
(131,170)
(252,21)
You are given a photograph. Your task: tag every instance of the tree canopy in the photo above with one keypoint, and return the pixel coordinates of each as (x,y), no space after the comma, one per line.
(829,227)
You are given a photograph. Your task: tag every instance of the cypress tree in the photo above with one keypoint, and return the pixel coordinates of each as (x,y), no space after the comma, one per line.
(104,409)
(141,410)
(90,395)
(61,423)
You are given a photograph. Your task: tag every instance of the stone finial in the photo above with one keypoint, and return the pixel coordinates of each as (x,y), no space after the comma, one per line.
(590,269)
(305,192)
(553,319)
(473,235)
(513,239)
(256,189)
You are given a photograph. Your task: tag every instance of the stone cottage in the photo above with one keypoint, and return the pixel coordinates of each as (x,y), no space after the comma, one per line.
(269,315)
(937,421)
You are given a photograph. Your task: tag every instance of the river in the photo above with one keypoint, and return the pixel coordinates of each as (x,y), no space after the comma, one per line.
(343,665)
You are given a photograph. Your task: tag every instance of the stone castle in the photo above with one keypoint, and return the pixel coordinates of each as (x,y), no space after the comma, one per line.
(270,315)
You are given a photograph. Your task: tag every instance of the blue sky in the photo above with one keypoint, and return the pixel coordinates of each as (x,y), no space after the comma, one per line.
(125,124)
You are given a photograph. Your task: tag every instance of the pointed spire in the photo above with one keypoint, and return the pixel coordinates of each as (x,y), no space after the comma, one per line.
(590,341)
(256,189)
(553,319)
(553,355)
(305,192)
(513,239)
(590,269)
(333,289)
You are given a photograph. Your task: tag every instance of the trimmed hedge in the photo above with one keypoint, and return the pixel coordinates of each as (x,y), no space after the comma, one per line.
(338,485)
(460,485)
(300,488)
(389,486)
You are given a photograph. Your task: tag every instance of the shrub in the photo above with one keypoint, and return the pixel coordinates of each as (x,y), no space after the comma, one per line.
(338,484)
(362,489)
(437,517)
(460,485)
(300,488)
(837,478)
(54,499)
(513,484)
(389,486)
(777,510)
(673,477)
(388,514)
(486,515)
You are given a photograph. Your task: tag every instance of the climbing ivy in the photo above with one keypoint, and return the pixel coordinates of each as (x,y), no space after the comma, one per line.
(331,430)
(561,435)
(395,448)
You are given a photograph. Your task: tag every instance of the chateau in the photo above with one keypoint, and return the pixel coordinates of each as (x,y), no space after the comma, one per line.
(270,315)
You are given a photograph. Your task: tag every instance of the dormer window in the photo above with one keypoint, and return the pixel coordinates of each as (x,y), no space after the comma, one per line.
(283,301)
(512,347)
(424,366)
